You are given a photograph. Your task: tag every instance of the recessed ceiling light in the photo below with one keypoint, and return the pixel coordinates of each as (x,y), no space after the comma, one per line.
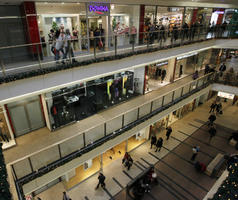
(62,3)
(78,3)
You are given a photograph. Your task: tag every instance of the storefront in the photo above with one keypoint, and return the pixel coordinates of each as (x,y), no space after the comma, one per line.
(88,20)
(77,102)
(185,65)
(204,58)
(156,76)
(26,115)
(170,16)
(6,135)
(201,16)
(217,16)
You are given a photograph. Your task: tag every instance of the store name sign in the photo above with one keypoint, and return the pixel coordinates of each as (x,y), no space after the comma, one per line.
(98,8)
(226,95)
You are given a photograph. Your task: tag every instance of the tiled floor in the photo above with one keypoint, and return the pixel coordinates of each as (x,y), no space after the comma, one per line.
(177,176)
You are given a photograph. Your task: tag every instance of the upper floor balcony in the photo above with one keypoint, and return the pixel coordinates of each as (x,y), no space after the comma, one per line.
(64,53)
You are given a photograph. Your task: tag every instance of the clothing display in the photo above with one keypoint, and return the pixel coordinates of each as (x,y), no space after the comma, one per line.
(77,102)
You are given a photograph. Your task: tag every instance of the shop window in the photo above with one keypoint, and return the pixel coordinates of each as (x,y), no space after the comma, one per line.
(5,136)
(77,102)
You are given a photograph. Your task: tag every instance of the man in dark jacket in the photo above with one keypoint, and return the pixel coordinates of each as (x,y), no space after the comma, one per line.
(213,106)
(211,119)
(222,69)
(101,179)
(169,131)
(212,132)
(159,144)
(153,141)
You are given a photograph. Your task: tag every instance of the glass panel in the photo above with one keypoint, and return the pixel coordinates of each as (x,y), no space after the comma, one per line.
(19,119)
(168,98)
(35,115)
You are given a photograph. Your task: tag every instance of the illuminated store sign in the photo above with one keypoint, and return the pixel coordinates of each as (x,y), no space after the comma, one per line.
(98,8)
(226,95)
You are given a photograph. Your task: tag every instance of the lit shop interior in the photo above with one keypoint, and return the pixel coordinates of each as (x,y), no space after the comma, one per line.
(6,134)
(168,120)
(168,16)
(156,76)
(116,153)
(83,21)
(79,101)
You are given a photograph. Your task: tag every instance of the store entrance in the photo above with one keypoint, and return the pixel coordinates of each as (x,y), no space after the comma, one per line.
(98,26)
(156,76)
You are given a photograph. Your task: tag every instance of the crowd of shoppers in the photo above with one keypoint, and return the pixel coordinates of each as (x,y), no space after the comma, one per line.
(60,44)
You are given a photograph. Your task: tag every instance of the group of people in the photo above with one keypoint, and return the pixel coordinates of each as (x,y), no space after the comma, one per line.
(60,44)
(158,143)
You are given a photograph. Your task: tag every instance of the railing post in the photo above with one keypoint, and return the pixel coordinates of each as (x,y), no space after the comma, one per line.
(173,95)
(148,38)
(181,92)
(3,68)
(190,87)
(162,101)
(94,47)
(59,151)
(38,54)
(151,106)
(115,45)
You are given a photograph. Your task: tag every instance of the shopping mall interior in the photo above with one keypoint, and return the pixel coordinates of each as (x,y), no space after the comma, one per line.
(118,100)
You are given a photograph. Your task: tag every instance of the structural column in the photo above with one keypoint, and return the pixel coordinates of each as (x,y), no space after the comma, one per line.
(31,27)
(171,70)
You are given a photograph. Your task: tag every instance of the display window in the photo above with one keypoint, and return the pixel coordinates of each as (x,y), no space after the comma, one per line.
(57,16)
(79,101)
(124,21)
(159,126)
(117,152)
(186,109)
(170,16)
(173,117)
(138,139)
(84,171)
(156,76)
(185,65)
(6,137)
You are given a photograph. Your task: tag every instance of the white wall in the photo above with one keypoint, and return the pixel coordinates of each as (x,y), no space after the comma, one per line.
(139,76)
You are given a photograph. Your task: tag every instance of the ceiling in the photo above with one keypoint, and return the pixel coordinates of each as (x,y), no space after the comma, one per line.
(196,3)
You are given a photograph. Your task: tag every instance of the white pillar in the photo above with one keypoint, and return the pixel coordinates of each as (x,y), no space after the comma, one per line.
(170,70)
(46,113)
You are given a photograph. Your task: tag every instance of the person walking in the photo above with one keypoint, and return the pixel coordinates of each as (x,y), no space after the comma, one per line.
(207,69)
(219,108)
(212,107)
(169,131)
(125,158)
(212,132)
(65,196)
(101,181)
(195,149)
(211,119)
(129,162)
(222,69)
(159,144)
(153,141)
(163,75)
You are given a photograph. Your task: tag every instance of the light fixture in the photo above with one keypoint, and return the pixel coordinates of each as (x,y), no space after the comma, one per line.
(78,3)
(62,3)
(112,6)
(46,2)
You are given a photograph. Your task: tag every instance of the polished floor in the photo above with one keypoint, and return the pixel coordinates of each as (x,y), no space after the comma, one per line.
(178,178)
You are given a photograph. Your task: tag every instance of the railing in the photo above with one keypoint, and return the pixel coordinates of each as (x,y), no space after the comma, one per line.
(227,78)
(28,60)
(50,158)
